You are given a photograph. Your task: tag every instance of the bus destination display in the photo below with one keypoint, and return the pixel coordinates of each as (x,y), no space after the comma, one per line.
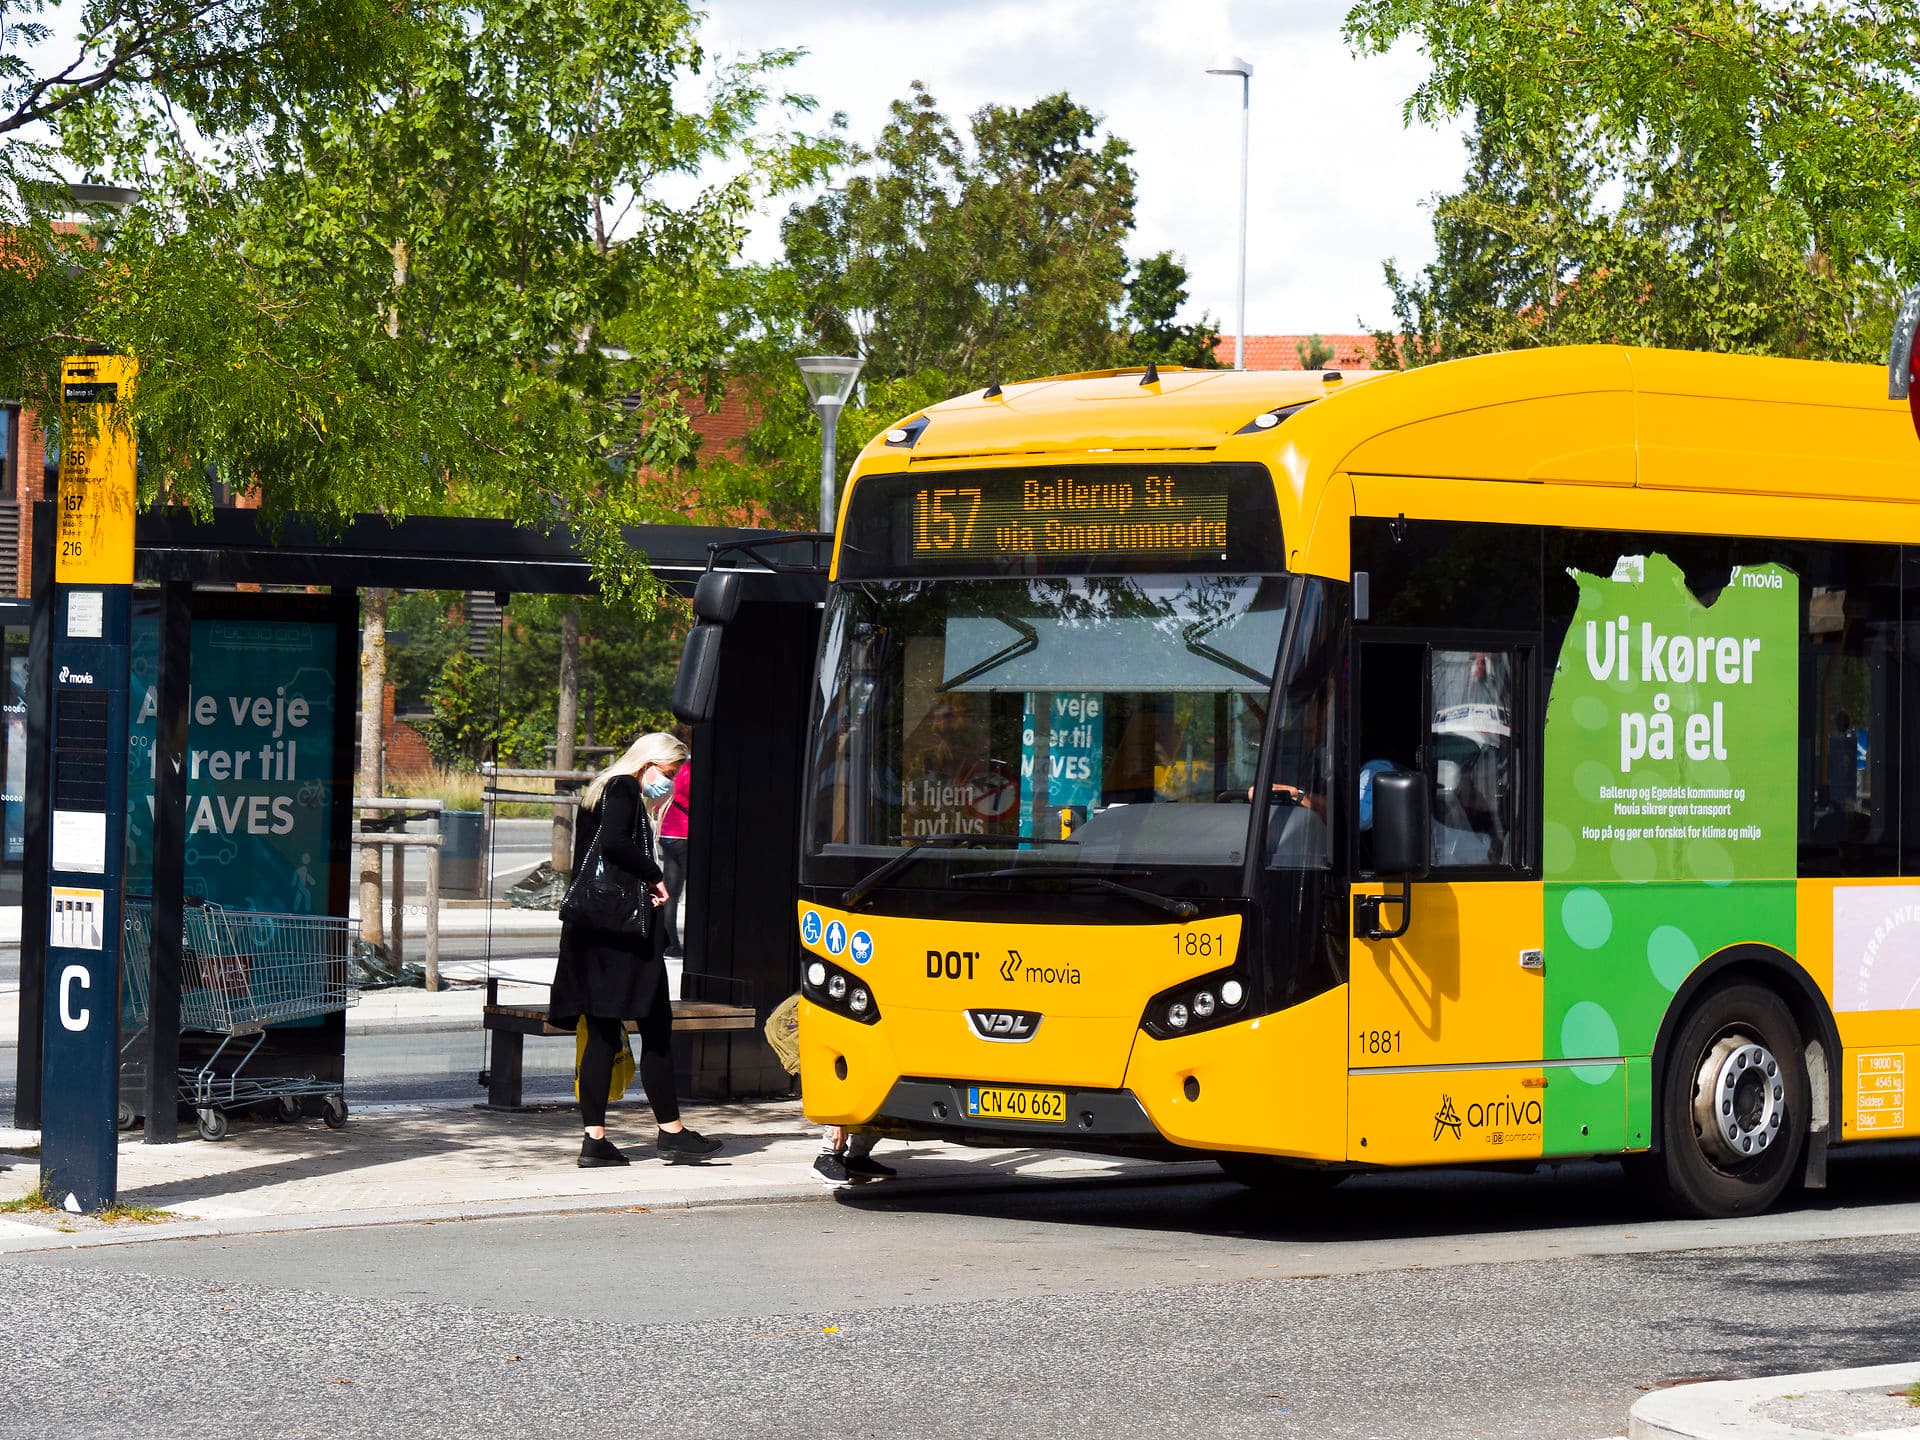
(1134,511)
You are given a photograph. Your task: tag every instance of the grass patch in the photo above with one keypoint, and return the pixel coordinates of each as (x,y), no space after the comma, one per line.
(35,1202)
(460,790)
(121,1212)
(40,1201)
(1913,1394)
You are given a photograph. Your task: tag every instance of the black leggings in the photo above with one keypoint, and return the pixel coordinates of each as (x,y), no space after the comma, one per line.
(656,1065)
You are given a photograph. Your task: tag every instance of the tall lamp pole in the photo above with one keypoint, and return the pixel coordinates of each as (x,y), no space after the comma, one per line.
(1234,65)
(829,382)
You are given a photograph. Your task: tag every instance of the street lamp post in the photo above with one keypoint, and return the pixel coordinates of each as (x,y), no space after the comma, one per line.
(829,381)
(1234,65)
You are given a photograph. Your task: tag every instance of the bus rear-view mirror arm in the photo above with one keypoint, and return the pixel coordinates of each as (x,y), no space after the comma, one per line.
(1401,845)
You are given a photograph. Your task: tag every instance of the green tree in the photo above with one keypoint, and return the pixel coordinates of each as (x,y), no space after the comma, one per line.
(1155,296)
(1764,189)
(948,264)
(502,702)
(425,629)
(455,286)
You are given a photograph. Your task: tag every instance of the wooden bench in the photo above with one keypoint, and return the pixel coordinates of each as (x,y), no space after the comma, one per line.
(511,1024)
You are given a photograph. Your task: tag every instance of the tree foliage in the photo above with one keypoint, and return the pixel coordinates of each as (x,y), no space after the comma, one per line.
(1711,174)
(948,263)
(453,282)
(501,704)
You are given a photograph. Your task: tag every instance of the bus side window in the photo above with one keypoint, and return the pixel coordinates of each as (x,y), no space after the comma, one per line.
(1471,758)
(1849,712)
(1388,727)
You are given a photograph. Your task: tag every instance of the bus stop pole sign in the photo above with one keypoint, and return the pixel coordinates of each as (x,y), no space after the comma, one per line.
(92,607)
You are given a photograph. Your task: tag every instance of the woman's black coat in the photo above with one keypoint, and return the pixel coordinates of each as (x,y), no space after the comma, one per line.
(618,976)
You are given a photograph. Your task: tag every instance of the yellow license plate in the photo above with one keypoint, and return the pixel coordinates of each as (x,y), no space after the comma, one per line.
(987,1102)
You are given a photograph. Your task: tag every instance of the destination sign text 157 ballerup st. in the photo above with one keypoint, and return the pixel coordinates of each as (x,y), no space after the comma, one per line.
(1136,511)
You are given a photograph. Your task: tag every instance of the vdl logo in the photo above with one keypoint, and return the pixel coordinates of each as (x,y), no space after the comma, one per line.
(1010,1027)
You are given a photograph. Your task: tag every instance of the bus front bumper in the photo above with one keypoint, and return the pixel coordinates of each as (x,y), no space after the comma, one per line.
(1111,1121)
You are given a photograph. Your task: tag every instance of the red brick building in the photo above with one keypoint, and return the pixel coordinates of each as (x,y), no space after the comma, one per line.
(23,479)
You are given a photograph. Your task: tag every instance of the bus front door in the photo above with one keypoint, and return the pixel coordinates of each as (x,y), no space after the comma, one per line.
(1444,1036)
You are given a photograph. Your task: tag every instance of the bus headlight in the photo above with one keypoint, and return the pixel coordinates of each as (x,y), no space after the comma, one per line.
(1202,1003)
(832,988)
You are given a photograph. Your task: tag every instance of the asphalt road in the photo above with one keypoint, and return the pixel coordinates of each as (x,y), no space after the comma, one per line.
(1445,1305)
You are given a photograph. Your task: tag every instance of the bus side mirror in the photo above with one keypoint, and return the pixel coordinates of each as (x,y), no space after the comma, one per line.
(699,675)
(1402,843)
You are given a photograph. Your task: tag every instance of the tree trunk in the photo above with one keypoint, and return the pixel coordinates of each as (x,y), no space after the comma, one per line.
(372,778)
(563,727)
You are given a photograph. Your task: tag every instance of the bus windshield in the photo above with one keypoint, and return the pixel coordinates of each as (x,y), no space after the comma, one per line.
(1103,720)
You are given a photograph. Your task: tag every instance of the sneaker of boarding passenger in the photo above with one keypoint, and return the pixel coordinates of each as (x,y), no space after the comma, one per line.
(866,1168)
(684,1147)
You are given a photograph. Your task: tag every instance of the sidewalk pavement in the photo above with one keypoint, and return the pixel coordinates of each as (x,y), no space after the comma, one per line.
(1875,1403)
(407,1164)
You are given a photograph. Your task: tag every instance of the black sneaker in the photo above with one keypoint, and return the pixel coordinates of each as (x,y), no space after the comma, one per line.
(679,1147)
(830,1168)
(865,1167)
(596,1153)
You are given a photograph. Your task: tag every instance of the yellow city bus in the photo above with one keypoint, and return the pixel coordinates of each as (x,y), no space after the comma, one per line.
(1489,762)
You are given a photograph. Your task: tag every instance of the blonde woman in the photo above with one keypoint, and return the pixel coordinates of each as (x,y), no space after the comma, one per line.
(608,978)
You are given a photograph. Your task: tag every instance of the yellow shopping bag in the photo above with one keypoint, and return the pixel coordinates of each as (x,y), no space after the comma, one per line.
(622,1063)
(783,1033)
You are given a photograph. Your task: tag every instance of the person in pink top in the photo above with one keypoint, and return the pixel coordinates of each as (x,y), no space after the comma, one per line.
(673,853)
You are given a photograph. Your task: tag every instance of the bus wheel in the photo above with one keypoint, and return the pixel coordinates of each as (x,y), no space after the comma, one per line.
(1737,1105)
(1277,1177)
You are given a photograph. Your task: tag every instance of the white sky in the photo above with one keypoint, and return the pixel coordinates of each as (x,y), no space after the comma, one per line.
(1336,183)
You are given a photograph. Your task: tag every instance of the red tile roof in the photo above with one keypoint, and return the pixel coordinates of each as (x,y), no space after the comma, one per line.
(1282,352)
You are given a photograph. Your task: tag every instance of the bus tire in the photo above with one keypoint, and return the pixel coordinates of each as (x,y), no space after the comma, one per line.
(1276,1177)
(1737,1105)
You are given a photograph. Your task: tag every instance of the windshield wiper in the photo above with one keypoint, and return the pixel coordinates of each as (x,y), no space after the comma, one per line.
(859,891)
(1179,909)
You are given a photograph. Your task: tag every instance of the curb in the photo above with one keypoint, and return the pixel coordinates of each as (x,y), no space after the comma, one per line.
(685,1198)
(1723,1409)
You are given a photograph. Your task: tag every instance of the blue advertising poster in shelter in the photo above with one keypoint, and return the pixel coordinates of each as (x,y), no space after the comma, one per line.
(262,759)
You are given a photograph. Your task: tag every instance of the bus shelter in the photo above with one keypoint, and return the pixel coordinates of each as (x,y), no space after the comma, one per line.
(744,806)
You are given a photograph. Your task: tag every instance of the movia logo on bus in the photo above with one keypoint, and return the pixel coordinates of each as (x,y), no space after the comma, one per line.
(1903,356)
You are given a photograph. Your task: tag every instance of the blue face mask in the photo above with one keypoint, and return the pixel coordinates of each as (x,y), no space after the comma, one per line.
(657,788)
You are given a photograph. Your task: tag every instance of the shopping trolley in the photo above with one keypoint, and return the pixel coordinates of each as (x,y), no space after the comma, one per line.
(240,971)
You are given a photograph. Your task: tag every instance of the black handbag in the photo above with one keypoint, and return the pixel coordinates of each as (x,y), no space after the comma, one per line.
(601,896)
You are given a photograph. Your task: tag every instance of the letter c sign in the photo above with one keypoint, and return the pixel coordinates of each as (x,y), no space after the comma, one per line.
(69,1017)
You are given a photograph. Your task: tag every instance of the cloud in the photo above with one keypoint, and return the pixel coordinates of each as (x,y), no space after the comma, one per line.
(1336,182)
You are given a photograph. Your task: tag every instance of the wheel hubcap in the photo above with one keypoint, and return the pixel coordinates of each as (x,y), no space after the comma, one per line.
(1739,1099)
